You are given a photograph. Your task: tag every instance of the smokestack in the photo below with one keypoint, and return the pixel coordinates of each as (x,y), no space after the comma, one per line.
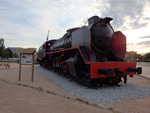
(93,19)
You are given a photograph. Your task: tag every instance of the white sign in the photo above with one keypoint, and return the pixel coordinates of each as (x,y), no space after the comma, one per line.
(26,59)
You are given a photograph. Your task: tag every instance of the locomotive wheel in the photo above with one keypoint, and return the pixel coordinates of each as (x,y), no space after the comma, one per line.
(79,66)
(45,63)
(54,67)
(64,68)
(40,63)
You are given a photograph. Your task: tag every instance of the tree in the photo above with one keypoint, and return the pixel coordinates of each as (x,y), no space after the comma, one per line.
(4,53)
(1,42)
(15,55)
(7,53)
(146,57)
(139,57)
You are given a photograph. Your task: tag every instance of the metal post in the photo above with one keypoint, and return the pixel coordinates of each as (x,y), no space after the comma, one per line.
(20,67)
(32,76)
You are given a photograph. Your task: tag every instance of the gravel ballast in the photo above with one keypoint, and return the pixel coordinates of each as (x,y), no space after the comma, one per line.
(104,95)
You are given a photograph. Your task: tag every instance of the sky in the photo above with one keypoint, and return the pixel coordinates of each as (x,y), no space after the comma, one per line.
(25,23)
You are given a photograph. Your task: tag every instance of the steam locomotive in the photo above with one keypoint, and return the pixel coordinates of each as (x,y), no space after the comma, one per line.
(94,53)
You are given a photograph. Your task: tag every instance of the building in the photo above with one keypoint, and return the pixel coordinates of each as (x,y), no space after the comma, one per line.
(131,56)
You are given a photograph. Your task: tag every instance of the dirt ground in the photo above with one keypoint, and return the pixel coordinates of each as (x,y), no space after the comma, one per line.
(43,95)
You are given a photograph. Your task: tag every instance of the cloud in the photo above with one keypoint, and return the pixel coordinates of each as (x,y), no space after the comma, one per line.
(26,23)
(29,21)
(144,37)
(127,14)
(32,19)
(130,44)
(144,43)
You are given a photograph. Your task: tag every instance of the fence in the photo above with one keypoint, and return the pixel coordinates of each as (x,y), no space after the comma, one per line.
(13,60)
(9,60)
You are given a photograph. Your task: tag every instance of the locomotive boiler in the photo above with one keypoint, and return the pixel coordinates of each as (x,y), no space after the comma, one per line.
(94,53)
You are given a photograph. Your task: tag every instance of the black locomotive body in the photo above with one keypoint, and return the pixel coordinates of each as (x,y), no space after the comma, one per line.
(94,53)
